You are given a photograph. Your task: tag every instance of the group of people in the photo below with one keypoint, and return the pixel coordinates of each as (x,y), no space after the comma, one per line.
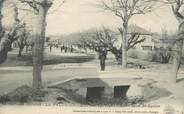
(62,48)
(52,45)
(66,49)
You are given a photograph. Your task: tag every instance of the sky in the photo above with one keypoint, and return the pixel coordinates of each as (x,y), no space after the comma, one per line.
(79,15)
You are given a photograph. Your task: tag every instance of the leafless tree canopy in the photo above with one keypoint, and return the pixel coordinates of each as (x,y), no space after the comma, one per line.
(98,38)
(107,38)
(127,8)
(35,4)
(134,39)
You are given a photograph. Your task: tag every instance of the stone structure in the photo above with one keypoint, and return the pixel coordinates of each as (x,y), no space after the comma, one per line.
(105,86)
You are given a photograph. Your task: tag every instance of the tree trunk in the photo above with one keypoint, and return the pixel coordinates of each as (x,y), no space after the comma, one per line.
(117,53)
(176,60)
(26,48)
(3,43)
(20,51)
(38,47)
(124,45)
(177,52)
(5,46)
(1,28)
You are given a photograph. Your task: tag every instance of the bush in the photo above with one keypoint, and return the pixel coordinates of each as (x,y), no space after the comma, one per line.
(147,55)
(133,54)
(160,55)
(143,55)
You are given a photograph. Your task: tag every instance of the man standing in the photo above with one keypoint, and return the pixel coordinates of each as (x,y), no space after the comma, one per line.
(50,47)
(102,57)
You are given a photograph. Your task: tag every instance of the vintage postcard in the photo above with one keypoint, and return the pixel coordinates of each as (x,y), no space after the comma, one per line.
(91,56)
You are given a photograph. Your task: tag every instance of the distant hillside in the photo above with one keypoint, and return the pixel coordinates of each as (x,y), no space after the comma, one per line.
(136,29)
(75,38)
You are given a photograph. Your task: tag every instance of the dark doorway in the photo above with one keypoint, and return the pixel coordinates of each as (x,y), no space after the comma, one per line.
(120,91)
(94,93)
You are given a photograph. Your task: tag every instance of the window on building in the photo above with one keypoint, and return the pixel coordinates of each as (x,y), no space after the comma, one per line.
(149,48)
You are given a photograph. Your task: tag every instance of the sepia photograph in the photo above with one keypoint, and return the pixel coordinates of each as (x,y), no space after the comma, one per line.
(92,56)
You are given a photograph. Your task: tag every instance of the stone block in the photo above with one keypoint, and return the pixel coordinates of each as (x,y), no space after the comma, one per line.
(135,91)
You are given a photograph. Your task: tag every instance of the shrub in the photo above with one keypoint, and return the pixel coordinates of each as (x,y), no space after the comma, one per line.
(146,55)
(133,54)
(139,54)
(162,55)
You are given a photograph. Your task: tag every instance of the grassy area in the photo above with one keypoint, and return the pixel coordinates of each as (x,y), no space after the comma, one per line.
(58,59)
(26,59)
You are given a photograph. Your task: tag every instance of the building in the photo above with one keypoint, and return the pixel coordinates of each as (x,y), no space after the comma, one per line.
(147,44)
(152,41)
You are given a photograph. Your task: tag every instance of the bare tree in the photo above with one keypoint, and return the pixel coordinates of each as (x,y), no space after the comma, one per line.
(126,9)
(94,39)
(9,36)
(133,39)
(101,41)
(177,9)
(40,8)
(106,38)
(22,41)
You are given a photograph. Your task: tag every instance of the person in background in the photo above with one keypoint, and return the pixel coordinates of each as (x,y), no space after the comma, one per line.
(71,49)
(102,57)
(50,47)
(62,48)
(66,49)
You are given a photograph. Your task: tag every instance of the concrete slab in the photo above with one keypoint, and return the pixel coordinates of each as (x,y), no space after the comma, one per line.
(106,80)
(110,79)
(102,79)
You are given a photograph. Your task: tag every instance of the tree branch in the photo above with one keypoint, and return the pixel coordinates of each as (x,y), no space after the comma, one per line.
(32,3)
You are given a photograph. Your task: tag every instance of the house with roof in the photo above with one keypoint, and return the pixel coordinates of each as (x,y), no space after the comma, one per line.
(147,44)
(152,41)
